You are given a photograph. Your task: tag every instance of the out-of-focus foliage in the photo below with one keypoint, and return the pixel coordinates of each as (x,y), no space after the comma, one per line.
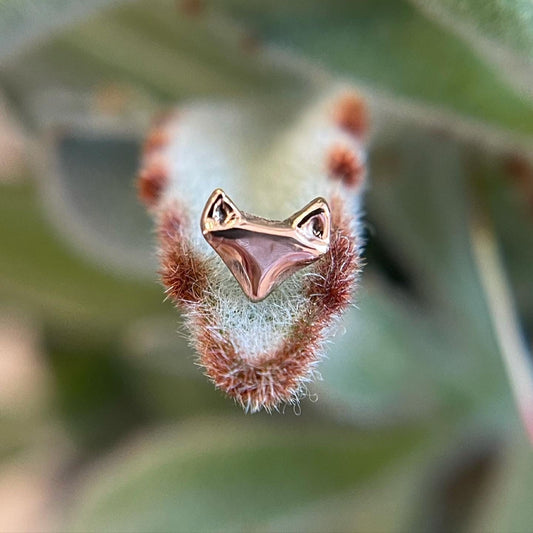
(392,47)
(501,32)
(40,273)
(508,23)
(415,427)
(250,475)
(24,22)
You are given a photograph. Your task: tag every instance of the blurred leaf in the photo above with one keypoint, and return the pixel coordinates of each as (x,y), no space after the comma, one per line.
(25,387)
(506,188)
(161,367)
(70,86)
(92,200)
(27,502)
(388,45)
(153,46)
(501,32)
(37,271)
(96,400)
(385,366)
(509,22)
(191,55)
(23,22)
(429,346)
(420,206)
(385,503)
(12,145)
(223,475)
(507,503)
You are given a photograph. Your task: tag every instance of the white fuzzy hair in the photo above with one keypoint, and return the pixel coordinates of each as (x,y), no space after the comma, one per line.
(271,166)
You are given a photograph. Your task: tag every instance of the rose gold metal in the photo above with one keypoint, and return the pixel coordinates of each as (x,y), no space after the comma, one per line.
(262,253)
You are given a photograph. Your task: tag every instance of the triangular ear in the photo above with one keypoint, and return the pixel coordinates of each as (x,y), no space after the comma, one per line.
(314,220)
(219,212)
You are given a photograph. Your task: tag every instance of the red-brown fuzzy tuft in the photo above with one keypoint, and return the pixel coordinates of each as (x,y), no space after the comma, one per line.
(171,225)
(267,382)
(332,290)
(344,165)
(276,378)
(157,139)
(350,114)
(152,180)
(183,272)
(158,136)
(192,8)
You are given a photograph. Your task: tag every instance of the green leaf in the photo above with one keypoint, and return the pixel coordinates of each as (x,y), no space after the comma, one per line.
(506,188)
(93,394)
(152,46)
(23,22)
(388,45)
(385,365)
(500,32)
(90,189)
(91,198)
(386,503)
(427,346)
(507,503)
(38,272)
(509,23)
(420,207)
(223,475)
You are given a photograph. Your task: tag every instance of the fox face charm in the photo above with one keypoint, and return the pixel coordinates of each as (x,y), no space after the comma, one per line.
(262,253)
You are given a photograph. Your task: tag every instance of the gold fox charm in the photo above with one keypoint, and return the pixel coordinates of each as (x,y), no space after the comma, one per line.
(262,253)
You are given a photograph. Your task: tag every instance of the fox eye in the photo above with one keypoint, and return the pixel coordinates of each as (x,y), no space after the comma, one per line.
(317,226)
(314,224)
(221,211)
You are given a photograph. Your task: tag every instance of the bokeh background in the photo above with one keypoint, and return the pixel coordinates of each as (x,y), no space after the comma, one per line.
(421,420)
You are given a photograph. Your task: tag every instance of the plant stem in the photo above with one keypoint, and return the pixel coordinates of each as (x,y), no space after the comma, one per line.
(513,348)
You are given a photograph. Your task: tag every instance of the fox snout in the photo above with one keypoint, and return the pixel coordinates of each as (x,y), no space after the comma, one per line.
(262,253)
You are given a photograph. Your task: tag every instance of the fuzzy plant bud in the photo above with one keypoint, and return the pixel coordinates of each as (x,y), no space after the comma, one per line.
(271,160)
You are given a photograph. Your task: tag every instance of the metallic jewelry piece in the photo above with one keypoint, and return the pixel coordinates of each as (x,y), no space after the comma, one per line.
(262,253)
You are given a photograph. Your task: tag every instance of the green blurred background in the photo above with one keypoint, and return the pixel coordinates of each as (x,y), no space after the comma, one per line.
(106,424)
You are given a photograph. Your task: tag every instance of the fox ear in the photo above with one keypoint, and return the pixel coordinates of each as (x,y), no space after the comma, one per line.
(314,220)
(219,212)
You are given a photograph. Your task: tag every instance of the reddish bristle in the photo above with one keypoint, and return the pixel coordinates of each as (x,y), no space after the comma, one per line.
(344,165)
(183,272)
(351,115)
(332,290)
(158,136)
(266,382)
(171,222)
(276,378)
(150,184)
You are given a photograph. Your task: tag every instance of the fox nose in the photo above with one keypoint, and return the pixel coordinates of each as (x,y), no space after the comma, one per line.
(262,253)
